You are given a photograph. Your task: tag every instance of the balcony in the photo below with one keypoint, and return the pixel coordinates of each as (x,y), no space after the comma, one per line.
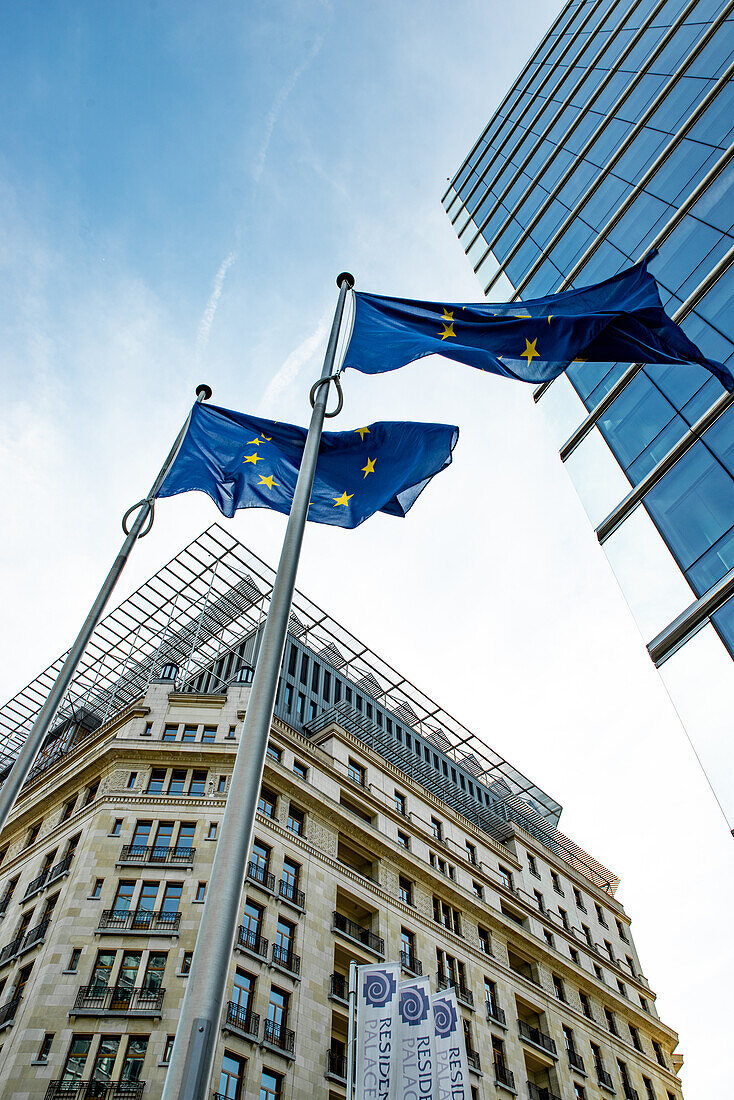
(105,1000)
(8,1010)
(358,934)
(156,853)
(336,1066)
(474,1060)
(242,1020)
(339,988)
(537,1093)
(250,939)
(495,1014)
(604,1078)
(48,876)
(280,1037)
(24,942)
(504,1076)
(575,1059)
(143,921)
(537,1037)
(258,873)
(291,894)
(100,1090)
(411,962)
(443,981)
(286,959)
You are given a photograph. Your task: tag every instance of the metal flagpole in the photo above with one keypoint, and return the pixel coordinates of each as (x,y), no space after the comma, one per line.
(29,751)
(192,1057)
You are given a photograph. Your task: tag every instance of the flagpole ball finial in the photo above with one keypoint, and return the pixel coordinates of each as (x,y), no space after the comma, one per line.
(345,277)
(203,392)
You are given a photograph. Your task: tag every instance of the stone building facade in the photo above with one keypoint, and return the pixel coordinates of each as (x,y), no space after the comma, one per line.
(105,863)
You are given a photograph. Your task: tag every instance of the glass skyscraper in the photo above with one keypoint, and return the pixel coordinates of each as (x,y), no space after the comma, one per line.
(616,139)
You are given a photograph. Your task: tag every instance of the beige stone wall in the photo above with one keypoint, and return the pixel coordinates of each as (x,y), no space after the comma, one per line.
(122,749)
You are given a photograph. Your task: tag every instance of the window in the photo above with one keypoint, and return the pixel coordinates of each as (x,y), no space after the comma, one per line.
(186,962)
(585,1006)
(549,938)
(533,866)
(300,769)
(169,733)
(301,705)
(611,1022)
(539,900)
(147,732)
(97,888)
(289,696)
(609,949)
(45,1050)
(598,971)
(274,752)
(75,1060)
(270,1085)
(132,1066)
(579,899)
(200,892)
(296,820)
(91,792)
(556,883)
(156,781)
(564,917)
(189,733)
(356,772)
(405,890)
(117,825)
(505,877)
(403,840)
(621,931)
(221,784)
(649,1091)
(587,932)
(574,955)
(436,828)
(579,1091)
(212,832)
(167,1050)
(558,987)
(197,786)
(643,1004)
(76,954)
(630,964)
(400,803)
(285,936)
(32,834)
(177,781)
(231,1076)
(445,914)
(171,897)
(600,915)
(659,1053)
(289,882)
(209,735)
(485,943)
(231,733)
(68,809)
(471,853)
(622,988)
(635,1036)
(243,989)
(478,889)
(266,804)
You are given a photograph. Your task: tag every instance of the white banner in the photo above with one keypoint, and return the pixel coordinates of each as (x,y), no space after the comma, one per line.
(452,1068)
(377,1031)
(417,1056)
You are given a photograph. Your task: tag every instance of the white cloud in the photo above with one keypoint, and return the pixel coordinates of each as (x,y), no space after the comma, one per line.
(294,363)
(202,335)
(279,104)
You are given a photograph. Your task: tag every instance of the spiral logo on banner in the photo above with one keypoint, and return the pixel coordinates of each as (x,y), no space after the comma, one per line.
(414,1006)
(444,1017)
(379,988)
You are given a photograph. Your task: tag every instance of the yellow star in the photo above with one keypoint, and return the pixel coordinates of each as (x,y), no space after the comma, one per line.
(343,499)
(549,317)
(254,459)
(256,441)
(448,315)
(449,331)
(267,481)
(267,438)
(370,467)
(530,352)
(362,432)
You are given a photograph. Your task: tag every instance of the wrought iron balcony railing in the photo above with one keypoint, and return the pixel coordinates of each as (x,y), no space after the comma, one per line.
(472,1057)
(24,942)
(279,1036)
(252,941)
(291,893)
(8,1010)
(604,1078)
(357,932)
(537,1093)
(339,987)
(535,1035)
(411,962)
(504,1075)
(336,1065)
(629,1092)
(49,875)
(494,1012)
(140,920)
(464,994)
(100,1090)
(575,1058)
(244,1020)
(155,853)
(258,873)
(285,957)
(106,998)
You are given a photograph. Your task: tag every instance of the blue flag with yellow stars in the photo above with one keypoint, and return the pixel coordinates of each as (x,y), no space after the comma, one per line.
(619,320)
(243,461)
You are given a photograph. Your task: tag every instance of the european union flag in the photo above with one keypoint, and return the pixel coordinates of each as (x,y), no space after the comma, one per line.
(619,320)
(244,461)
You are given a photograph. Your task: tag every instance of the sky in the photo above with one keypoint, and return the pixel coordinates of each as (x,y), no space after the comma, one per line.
(180,184)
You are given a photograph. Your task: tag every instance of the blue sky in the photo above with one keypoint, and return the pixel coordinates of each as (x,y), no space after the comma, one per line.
(180,184)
